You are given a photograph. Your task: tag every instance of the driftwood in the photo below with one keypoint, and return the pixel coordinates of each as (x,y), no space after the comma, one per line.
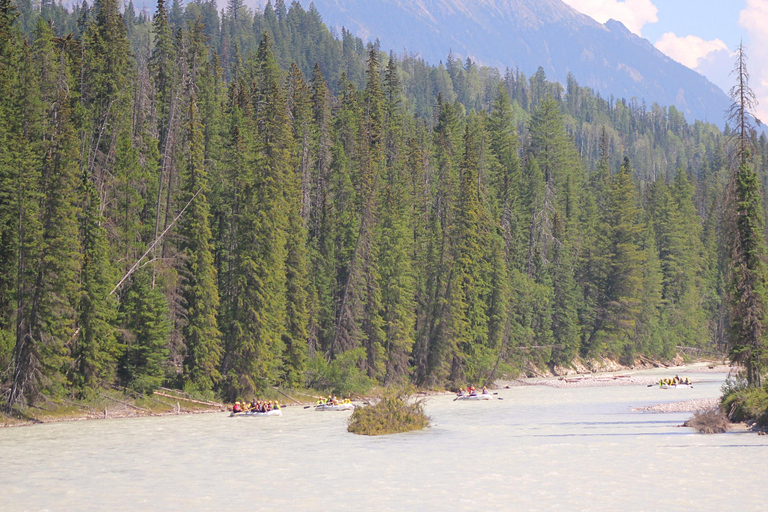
(288,396)
(126,404)
(210,404)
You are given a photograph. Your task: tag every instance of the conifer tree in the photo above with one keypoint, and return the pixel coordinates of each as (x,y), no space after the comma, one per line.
(623,257)
(96,347)
(747,247)
(10,124)
(258,307)
(507,178)
(469,286)
(145,336)
(201,334)
(39,349)
(296,189)
(394,238)
(106,70)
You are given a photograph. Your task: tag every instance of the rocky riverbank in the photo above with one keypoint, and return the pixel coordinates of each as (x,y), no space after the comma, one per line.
(700,404)
(617,376)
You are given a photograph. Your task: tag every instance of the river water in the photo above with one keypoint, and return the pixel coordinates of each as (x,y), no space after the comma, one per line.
(537,449)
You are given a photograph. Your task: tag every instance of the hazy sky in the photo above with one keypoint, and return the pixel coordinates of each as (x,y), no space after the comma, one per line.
(701,34)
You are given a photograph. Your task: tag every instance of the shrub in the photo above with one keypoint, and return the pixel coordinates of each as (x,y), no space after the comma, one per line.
(747,404)
(712,421)
(393,413)
(341,376)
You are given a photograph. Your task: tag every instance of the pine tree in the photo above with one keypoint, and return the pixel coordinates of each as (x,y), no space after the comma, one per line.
(201,334)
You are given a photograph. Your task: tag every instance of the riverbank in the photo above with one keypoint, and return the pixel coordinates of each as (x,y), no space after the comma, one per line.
(115,404)
(615,376)
(167,402)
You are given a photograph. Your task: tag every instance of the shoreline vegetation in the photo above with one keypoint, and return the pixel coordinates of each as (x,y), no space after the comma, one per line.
(112,404)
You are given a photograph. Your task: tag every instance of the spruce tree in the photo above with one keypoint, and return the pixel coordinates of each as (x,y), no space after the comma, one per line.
(145,335)
(258,307)
(747,247)
(623,257)
(297,182)
(96,346)
(202,338)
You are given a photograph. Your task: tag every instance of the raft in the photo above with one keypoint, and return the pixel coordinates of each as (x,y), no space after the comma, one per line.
(480,396)
(273,412)
(675,386)
(338,407)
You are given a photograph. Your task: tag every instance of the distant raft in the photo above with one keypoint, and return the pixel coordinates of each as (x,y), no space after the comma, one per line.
(479,396)
(675,386)
(250,414)
(337,407)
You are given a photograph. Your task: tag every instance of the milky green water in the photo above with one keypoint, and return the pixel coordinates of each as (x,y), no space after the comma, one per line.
(539,448)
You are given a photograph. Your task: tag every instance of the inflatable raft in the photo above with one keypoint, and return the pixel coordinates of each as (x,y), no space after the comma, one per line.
(273,412)
(479,396)
(338,407)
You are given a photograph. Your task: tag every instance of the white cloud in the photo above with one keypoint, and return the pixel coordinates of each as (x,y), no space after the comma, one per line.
(688,50)
(754,18)
(634,14)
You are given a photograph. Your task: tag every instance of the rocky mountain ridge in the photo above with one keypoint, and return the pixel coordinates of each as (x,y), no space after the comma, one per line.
(526,34)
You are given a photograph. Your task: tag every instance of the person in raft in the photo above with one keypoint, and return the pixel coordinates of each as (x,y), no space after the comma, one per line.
(485,390)
(472,391)
(236,408)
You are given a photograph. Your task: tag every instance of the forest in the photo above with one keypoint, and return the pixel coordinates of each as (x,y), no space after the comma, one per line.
(223,202)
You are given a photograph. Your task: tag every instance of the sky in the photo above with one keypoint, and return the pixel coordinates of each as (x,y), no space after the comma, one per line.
(700,34)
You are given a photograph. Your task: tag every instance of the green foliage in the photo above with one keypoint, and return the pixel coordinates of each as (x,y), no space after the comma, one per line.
(395,412)
(387,222)
(342,375)
(144,337)
(748,275)
(745,404)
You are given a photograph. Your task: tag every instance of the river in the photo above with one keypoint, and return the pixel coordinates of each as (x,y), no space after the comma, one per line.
(537,449)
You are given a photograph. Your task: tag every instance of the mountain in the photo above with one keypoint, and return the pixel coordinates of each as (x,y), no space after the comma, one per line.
(526,34)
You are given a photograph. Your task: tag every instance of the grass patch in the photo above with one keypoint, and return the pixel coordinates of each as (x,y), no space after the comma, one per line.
(395,412)
(712,421)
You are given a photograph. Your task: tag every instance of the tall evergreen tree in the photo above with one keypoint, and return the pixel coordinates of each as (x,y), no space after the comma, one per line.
(747,247)
(201,298)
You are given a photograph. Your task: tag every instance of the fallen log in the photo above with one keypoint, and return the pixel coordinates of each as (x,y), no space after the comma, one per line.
(126,404)
(210,404)
(288,396)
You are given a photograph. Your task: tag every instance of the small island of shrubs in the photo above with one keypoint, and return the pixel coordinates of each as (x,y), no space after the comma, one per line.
(393,413)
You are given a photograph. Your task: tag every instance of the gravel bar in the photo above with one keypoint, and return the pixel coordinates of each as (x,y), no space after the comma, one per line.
(700,404)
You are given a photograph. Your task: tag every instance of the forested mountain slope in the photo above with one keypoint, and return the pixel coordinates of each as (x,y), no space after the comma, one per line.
(295,209)
(526,34)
